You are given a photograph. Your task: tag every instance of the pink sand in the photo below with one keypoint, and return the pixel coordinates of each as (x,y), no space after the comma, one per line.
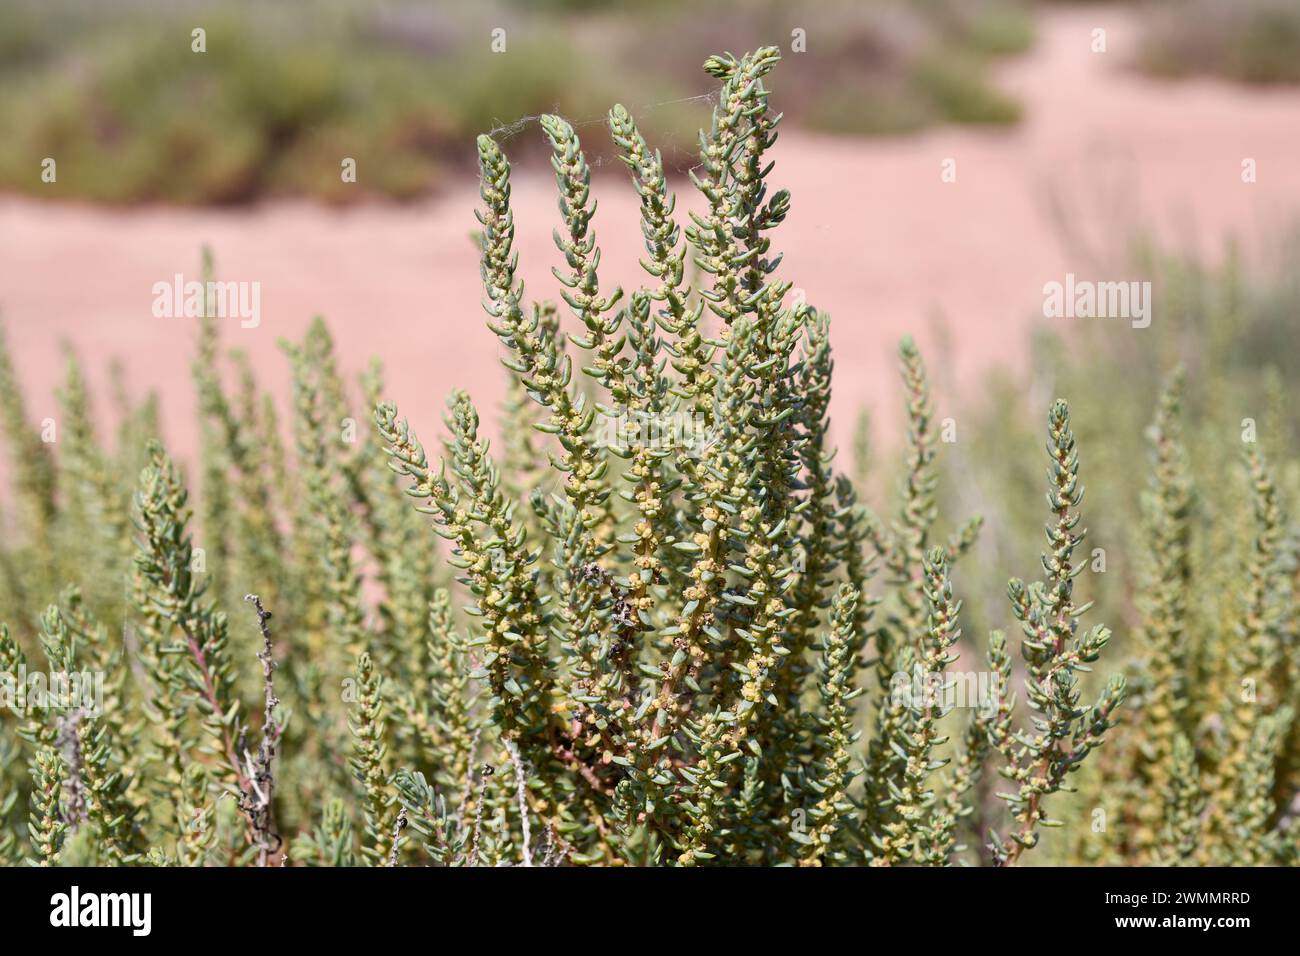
(883,251)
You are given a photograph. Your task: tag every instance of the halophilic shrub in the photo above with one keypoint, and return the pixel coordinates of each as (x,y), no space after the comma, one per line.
(672,633)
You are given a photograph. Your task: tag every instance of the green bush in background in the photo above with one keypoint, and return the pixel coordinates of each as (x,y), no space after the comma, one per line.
(284,92)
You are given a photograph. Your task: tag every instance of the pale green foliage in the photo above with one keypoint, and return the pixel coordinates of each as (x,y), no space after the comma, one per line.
(1208,778)
(657,674)
(1193,559)
(663,640)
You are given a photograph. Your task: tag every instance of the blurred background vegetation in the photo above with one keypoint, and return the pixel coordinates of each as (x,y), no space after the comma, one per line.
(1253,41)
(285,90)
(1230,322)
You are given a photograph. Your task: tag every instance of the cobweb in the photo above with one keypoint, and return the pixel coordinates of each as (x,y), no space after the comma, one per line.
(504,132)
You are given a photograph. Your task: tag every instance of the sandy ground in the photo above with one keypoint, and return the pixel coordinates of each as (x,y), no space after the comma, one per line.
(876,237)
